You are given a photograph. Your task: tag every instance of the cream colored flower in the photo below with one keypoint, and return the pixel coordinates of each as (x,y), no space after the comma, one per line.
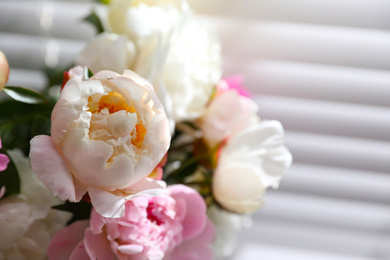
(108,134)
(27,222)
(4,70)
(192,69)
(108,51)
(177,53)
(251,161)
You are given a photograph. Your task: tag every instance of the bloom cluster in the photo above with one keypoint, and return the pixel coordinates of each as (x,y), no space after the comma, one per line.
(154,154)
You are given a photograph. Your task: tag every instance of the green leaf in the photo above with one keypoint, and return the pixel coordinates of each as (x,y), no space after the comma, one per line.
(90,73)
(24,95)
(17,122)
(10,178)
(95,21)
(40,125)
(55,75)
(186,169)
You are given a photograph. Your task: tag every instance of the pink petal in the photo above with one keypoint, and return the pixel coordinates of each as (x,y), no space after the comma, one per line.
(236,82)
(97,222)
(52,170)
(97,246)
(65,241)
(4,160)
(195,218)
(195,249)
(79,252)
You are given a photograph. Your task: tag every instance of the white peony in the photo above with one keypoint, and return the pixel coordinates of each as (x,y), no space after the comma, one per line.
(27,222)
(108,51)
(108,133)
(249,163)
(177,53)
(192,70)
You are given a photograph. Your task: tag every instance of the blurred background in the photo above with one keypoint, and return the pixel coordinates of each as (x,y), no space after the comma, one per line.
(321,67)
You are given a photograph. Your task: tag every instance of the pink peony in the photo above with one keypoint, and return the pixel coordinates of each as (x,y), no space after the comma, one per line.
(4,160)
(233,83)
(170,226)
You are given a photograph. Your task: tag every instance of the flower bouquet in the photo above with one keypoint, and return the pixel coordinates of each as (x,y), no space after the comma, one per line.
(143,151)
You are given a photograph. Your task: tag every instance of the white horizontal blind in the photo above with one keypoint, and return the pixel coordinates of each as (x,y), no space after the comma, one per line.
(320,67)
(323,69)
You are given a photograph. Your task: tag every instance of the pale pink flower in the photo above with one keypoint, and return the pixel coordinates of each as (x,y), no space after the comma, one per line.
(108,133)
(4,70)
(4,160)
(233,83)
(171,226)
(227,114)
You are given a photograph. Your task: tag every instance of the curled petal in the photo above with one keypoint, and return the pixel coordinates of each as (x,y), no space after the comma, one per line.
(52,170)
(194,219)
(66,240)
(97,246)
(4,160)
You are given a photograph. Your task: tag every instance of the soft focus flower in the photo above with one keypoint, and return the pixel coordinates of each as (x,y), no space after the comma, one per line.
(27,221)
(4,70)
(177,53)
(170,226)
(227,225)
(192,69)
(226,115)
(108,51)
(249,163)
(233,83)
(108,134)
(4,160)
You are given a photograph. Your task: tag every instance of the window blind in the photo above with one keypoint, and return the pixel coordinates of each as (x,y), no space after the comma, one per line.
(320,67)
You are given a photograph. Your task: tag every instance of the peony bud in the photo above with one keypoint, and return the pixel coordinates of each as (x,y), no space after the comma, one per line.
(4,70)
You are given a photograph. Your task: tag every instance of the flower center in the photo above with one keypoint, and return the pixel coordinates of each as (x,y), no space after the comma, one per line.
(116,122)
(114,102)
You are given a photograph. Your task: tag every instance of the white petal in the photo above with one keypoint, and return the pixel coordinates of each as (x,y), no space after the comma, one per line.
(107,204)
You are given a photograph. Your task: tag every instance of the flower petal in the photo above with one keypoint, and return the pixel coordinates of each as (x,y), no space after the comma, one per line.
(130,249)
(97,246)
(195,249)
(79,252)
(52,170)
(195,216)
(4,160)
(106,203)
(65,241)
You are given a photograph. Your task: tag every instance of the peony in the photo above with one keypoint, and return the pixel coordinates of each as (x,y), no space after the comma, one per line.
(227,114)
(177,53)
(27,221)
(107,134)
(192,69)
(4,160)
(170,226)
(4,70)
(249,163)
(108,51)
